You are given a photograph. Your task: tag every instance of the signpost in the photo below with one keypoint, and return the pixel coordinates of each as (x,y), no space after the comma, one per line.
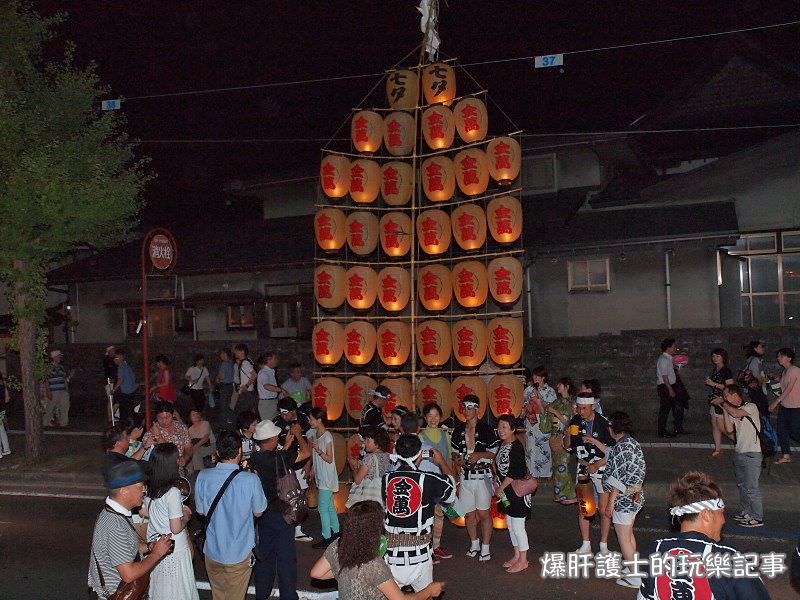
(548,60)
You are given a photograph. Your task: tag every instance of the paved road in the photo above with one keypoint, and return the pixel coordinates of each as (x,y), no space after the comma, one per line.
(44,546)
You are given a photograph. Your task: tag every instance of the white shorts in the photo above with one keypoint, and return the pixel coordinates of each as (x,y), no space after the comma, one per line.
(623,518)
(418,576)
(474,495)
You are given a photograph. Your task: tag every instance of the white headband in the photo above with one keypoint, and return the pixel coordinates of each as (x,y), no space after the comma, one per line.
(394,457)
(584,401)
(696,507)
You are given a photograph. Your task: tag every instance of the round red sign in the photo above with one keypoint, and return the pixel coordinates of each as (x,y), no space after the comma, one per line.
(162,254)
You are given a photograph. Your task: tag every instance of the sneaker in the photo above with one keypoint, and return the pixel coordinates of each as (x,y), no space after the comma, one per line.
(630,582)
(742,516)
(752,523)
(303,537)
(322,543)
(442,553)
(435,559)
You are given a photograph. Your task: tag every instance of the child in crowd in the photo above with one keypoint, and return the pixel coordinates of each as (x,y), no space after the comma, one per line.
(327,480)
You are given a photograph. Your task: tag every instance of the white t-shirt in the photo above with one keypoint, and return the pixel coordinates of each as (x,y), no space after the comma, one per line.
(244,370)
(664,367)
(266,375)
(746,434)
(196,376)
(324,472)
(161,510)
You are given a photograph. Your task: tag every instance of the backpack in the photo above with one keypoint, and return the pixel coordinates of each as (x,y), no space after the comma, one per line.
(767,438)
(745,378)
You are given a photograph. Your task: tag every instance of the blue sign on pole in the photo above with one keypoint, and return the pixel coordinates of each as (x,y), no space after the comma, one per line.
(549,60)
(111,104)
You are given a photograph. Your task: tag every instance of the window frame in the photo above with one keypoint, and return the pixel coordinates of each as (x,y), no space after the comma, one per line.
(230,325)
(781,293)
(572,287)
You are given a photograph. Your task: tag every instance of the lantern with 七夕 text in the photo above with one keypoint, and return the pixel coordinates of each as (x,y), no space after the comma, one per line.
(584,490)
(402,89)
(334,174)
(366,131)
(362,287)
(472,171)
(439,83)
(327,393)
(433,231)
(504,157)
(505,394)
(327,338)
(464,386)
(397,183)
(395,233)
(469,226)
(399,133)
(399,393)
(362,232)
(365,180)
(330,288)
(359,342)
(435,390)
(505,279)
(438,178)
(330,229)
(358,393)
(394,343)
(394,288)
(469,342)
(434,288)
(433,343)
(504,216)
(471,120)
(470,285)
(505,340)
(438,127)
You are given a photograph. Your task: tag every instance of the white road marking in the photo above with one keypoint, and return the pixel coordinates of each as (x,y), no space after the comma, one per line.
(51,495)
(56,432)
(251,591)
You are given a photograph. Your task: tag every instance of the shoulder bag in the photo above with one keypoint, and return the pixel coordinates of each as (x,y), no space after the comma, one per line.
(187,387)
(126,590)
(294,504)
(369,488)
(199,537)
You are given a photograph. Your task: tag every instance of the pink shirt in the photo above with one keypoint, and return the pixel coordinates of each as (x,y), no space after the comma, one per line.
(790,387)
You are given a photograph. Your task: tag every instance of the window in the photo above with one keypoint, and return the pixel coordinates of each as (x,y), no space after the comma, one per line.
(159,321)
(132,318)
(589,275)
(770,290)
(241,316)
(756,243)
(790,240)
(283,318)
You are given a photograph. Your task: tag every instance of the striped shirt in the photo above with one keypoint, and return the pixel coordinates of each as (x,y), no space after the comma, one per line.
(114,543)
(57,379)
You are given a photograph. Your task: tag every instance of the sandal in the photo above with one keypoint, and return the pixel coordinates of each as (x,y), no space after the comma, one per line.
(517,567)
(569,502)
(783,460)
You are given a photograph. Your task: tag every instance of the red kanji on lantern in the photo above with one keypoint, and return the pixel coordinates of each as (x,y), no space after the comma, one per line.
(356,285)
(435,125)
(395,137)
(466,284)
(502,156)
(465,338)
(429,395)
(357,233)
(434,174)
(324,285)
(391,402)
(389,287)
(321,340)
(390,182)
(502,217)
(356,178)
(324,227)
(467,225)
(361,129)
(392,231)
(320,394)
(502,280)
(354,340)
(469,170)
(461,392)
(389,344)
(502,396)
(470,115)
(430,236)
(328,177)
(429,286)
(354,397)
(500,337)
(428,337)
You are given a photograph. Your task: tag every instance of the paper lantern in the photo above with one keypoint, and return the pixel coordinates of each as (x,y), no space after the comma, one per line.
(312,496)
(438,178)
(354,445)
(438,127)
(399,133)
(498,518)
(339,452)
(366,131)
(362,232)
(435,390)
(469,342)
(459,521)
(395,233)
(359,342)
(362,287)
(504,156)
(471,120)
(402,89)
(399,393)
(504,216)
(470,284)
(327,393)
(434,288)
(472,171)
(330,289)
(433,343)
(439,83)
(330,229)
(340,498)
(584,490)
(505,340)
(464,386)
(358,393)
(394,343)
(505,279)
(334,174)
(365,180)
(327,338)
(469,226)
(505,395)
(398,183)
(433,231)
(394,288)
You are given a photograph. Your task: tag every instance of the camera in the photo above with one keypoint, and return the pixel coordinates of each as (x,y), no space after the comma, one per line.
(426,454)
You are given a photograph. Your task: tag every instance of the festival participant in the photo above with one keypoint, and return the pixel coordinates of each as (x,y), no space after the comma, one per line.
(197,377)
(754,352)
(325,476)
(562,410)
(246,426)
(538,425)
(243,397)
(372,413)
(298,388)
(368,473)
(720,377)
(165,389)
(789,401)
(168,429)
(203,440)
(433,436)
(474,447)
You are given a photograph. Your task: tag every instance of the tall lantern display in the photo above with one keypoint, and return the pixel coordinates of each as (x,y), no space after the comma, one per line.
(439,83)
(365,180)
(438,178)
(470,285)
(438,127)
(327,393)
(505,340)
(358,393)
(469,342)
(399,133)
(505,279)
(505,395)
(505,157)
(471,120)
(397,183)
(402,89)
(395,233)
(469,226)
(399,393)
(327,339)
(433,231)
(366,131)
(330,230)
(472,171)
(394,343)
(434,288)
(435,390)
(359,343)
(362,232)
(433,343)
(466,385)
(394,288)
(504,217)
(362,287)
(334,175)
(330,287)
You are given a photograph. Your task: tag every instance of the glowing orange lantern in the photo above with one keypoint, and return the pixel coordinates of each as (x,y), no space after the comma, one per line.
(439,83)
(464,386)
(433,343)
(469,226)
(498,518)
(362,287)
(366,131)
(504,157)
(329,229)
(327,338)
(358,393)
(399,393)
(399,133)
(435,390)
(505,340)
(438,127)
(438,178)
(362,232)
(330,289)
(395,233)
(402,89)
(472,171)
(584,490)
(470,285)
(339,452)
(504,216)
(469,342)
(433,231)
(434,288)
(505,394)
(394,343)
(327,393)
(340,497)
(397,184)
(471,120)
(312,496)
(359,342)
(505,279)
(394,288)
(365,180)
(334,173)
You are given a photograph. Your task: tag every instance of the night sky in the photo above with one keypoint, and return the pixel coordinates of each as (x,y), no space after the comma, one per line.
(153,47)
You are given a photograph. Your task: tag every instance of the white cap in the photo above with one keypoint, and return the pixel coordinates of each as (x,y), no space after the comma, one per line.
(110,348)
(55,353)
(265,430)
